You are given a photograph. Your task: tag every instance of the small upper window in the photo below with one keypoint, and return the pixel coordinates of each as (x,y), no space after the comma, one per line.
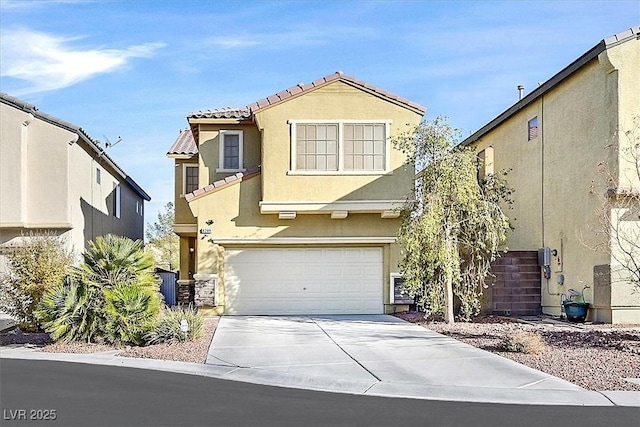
(117,201)
(190,178)
(97,175)
(230,151)
(533,128)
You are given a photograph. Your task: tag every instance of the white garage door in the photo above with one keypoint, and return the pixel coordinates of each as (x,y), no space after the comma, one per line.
(304,281)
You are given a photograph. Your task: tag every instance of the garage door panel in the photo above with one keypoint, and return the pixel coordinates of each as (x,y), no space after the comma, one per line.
(304,281)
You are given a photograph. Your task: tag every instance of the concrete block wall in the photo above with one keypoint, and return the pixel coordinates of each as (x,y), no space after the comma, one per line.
(517,288)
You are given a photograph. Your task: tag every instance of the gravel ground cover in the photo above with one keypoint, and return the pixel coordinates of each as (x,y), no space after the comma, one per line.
(190,351)
(595,357)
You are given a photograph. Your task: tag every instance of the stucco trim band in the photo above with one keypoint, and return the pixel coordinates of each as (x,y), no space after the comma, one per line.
(64,225)
(306,240)
(352,206)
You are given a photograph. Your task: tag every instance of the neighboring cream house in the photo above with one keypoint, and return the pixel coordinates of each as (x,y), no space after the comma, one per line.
(555,140)
(55,178)
(290,205)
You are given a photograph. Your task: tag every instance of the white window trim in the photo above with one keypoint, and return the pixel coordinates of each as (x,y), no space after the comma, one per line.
(184,176)
(221,167)
(387,147)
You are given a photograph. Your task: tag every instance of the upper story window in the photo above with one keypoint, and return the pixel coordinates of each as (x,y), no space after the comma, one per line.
(97,175)
(364,147)
(343,147)
(117,201)
(230,151)
(190,178)
(317,147)
(533,129)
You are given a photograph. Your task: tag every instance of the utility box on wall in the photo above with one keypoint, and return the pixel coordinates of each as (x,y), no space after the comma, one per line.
(544,256)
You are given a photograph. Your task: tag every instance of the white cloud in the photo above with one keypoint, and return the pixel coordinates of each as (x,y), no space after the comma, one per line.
(233,42)
(296,36)
(49,62)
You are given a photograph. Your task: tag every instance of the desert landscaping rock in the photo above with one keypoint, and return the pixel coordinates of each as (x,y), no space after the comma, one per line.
(595,357)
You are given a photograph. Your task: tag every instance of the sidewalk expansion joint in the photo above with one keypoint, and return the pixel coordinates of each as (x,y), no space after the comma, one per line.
(533,383)
(344,351)
(607,397)
(223,361)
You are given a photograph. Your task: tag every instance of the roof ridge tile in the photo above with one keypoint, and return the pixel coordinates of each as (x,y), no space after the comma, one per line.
(252,108)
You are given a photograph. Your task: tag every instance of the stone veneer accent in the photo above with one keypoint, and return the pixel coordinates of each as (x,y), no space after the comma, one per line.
(205,289)
(185,292)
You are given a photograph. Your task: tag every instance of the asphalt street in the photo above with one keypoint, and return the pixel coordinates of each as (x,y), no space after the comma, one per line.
(93,395)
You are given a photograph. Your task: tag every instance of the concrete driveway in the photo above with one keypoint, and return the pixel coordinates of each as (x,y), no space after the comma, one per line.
(379,355)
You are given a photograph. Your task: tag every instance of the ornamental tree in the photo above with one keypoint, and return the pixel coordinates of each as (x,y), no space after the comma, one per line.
(454,226)
(162,241)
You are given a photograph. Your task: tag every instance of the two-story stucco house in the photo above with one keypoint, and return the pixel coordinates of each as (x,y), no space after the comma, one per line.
(557,140)
(55,178)
(290,205)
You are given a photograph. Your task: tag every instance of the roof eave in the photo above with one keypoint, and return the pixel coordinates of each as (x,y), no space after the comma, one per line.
(590,55)
(181,156)
(536,93)
(220,121)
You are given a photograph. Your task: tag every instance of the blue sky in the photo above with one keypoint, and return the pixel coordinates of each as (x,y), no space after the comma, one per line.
(136,68)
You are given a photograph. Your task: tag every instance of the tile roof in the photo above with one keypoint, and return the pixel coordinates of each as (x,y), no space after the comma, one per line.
(92,143)
(246,112)
(184,145)
(223,183)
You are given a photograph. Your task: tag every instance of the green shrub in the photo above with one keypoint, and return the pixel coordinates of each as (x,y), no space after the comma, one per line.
(523,342)
(168,328)
(73,310)
(35,266)
(111,259)
(112,297)
(131,313)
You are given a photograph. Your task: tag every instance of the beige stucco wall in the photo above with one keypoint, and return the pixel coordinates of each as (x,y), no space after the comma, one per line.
(336,101)
(34,171)
(622,62)
(209,150)
(183,214)
(558,187)
(48,183)
(235,209)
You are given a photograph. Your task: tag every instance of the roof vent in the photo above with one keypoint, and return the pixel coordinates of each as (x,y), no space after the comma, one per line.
(520,92)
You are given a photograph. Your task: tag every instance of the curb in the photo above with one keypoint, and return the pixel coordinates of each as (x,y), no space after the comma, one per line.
(324,384)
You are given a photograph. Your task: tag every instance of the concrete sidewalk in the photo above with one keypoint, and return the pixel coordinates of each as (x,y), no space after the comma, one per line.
(369,355)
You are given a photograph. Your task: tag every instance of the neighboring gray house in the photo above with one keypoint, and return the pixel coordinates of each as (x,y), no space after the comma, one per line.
(54,177)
